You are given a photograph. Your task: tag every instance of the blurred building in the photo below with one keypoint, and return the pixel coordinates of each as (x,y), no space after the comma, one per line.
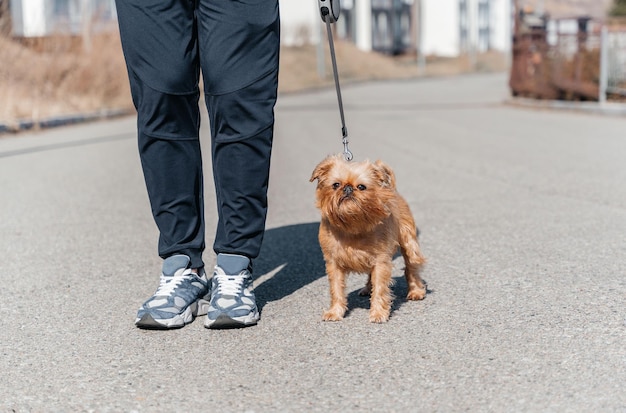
(455,27)
(436,27)
(37,18)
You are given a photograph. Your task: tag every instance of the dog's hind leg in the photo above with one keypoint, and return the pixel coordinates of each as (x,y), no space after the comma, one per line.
(367,290)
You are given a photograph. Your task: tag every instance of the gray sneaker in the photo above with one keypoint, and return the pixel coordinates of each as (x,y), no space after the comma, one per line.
(178,299)
(233,303)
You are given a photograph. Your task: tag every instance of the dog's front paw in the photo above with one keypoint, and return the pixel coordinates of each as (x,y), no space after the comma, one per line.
(333,314)
(379,316)
(416,294)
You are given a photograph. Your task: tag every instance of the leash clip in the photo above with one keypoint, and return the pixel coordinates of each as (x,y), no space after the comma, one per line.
(329,10)
(346,152)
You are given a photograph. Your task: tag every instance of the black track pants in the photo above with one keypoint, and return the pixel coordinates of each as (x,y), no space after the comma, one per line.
(235,43)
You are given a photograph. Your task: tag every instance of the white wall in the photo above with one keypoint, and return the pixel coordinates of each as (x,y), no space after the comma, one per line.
(29,17)
(440,27)
(34,14)
(298,14)
(298,17)
(363,13)
(502,24)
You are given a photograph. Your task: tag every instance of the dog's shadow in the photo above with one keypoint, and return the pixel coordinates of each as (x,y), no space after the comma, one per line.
(399,289)
(291,258)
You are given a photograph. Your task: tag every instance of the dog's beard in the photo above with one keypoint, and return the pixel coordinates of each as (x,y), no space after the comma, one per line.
(348,198)
(354,214)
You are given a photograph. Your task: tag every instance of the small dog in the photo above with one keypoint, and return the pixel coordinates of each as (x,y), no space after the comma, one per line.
(364,221)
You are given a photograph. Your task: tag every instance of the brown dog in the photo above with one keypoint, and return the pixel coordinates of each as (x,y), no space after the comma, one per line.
(364,221)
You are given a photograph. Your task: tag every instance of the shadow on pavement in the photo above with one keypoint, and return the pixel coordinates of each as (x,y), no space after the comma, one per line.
(291,258)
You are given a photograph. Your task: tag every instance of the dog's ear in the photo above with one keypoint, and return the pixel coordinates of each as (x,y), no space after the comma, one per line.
(385,175)
(322,168)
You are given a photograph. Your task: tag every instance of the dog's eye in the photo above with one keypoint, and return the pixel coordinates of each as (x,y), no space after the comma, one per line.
(361,187)
(336,185)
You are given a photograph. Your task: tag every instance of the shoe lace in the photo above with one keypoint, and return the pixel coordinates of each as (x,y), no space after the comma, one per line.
(167,285)
(229,284)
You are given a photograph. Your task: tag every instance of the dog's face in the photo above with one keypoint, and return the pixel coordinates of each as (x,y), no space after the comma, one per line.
(354,196)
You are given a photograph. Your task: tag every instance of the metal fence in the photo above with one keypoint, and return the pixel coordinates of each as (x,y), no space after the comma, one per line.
(615,62)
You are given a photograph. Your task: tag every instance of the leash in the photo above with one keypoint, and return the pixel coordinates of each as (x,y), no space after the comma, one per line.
(329,10)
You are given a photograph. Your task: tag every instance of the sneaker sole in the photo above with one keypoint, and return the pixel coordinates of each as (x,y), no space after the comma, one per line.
(147,322)
(225,322)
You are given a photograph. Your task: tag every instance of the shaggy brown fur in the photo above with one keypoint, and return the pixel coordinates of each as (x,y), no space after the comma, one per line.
(364,221)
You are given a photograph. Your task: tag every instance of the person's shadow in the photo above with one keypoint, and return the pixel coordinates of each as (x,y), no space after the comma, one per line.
(291,258)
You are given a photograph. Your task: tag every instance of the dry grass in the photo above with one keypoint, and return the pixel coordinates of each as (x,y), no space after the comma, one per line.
(45,79)
(299,66)
(56,77)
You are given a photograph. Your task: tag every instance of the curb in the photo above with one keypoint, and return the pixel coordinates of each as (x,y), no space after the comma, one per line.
(606,109)
(65,120)
(596,108)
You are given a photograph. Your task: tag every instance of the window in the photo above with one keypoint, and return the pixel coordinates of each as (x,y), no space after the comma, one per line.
(463,26)
(484,26)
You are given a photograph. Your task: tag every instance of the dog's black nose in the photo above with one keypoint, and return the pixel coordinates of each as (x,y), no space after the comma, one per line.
(347,190)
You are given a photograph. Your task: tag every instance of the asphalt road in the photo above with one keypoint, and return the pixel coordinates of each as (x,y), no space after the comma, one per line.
(523,220)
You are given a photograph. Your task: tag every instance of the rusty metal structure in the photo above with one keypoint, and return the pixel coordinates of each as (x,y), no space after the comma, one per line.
(555,59)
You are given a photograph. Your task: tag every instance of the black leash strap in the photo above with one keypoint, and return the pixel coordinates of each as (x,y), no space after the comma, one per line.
(330,13)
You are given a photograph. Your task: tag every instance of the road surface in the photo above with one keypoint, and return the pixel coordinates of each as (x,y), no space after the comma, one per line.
(523,220)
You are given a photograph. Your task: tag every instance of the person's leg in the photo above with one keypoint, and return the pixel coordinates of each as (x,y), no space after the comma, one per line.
(159,40)
(241,167)
(239,47)
(160,46)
